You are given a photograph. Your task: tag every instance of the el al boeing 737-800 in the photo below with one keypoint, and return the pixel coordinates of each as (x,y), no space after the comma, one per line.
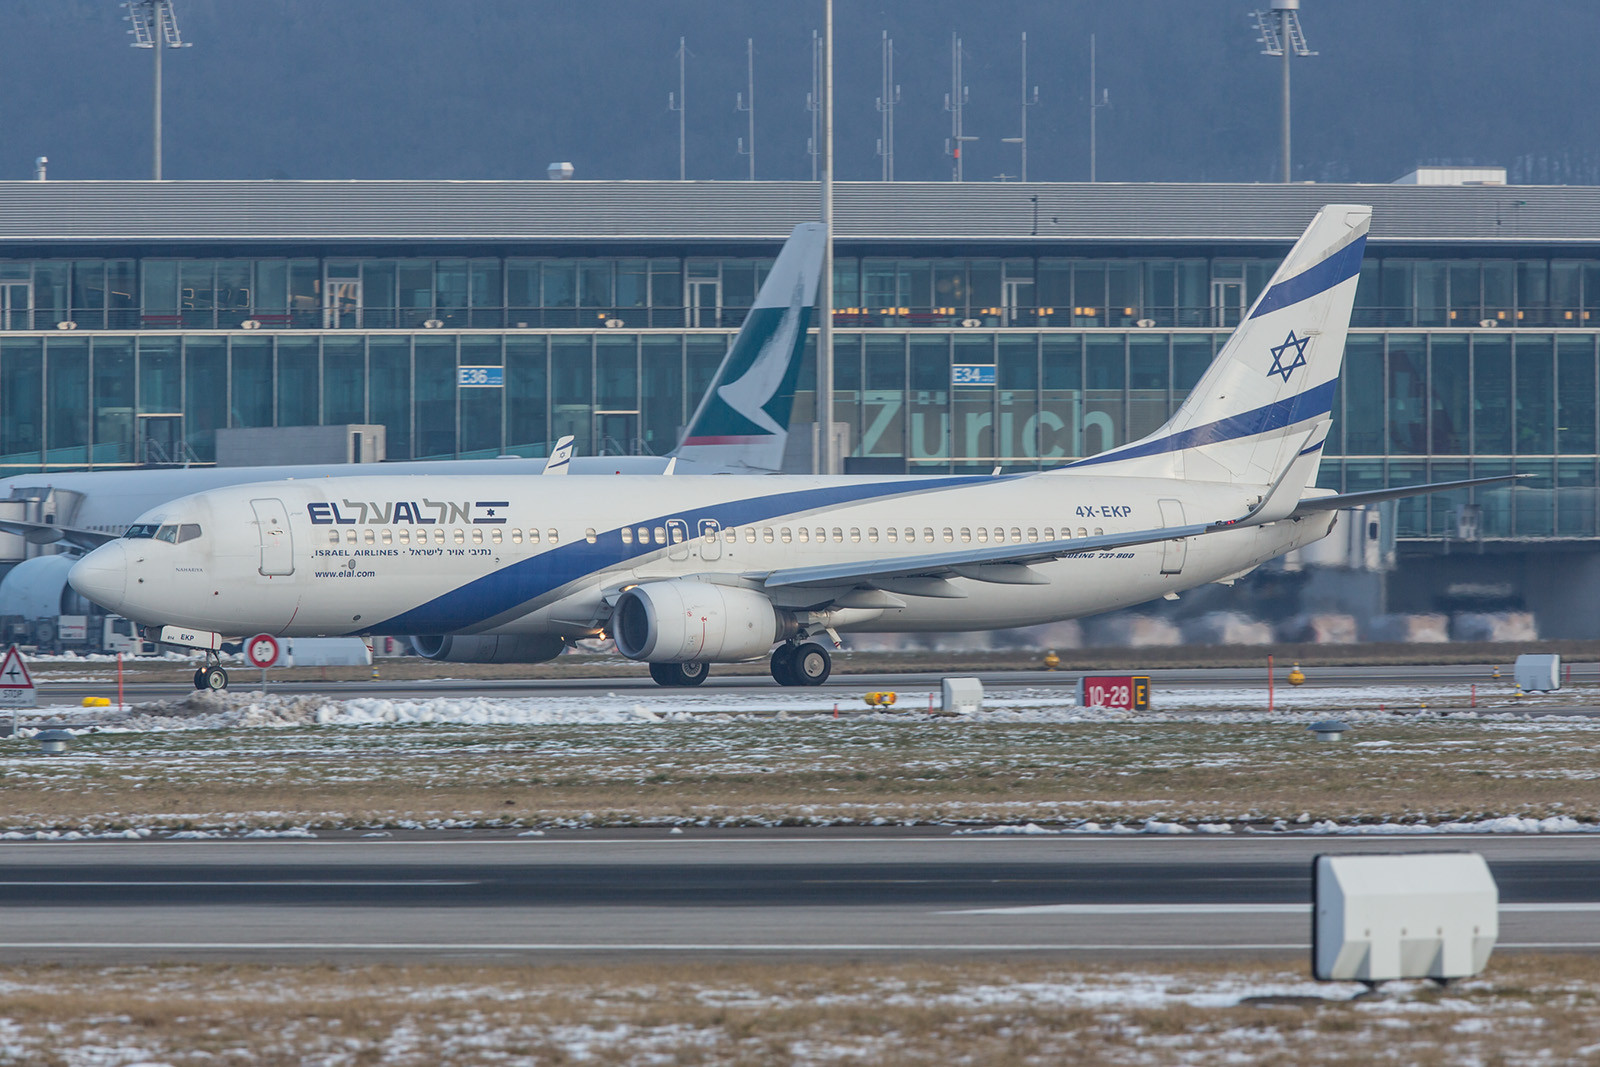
(741,426)
(684,572)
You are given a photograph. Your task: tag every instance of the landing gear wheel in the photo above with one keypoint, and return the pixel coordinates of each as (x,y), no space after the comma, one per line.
(679,674)
(783,665)
(199,678)
(811,665)
(213,678)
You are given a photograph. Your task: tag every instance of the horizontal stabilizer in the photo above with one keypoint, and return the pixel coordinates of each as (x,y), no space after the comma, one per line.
(48,533)
(1312,505)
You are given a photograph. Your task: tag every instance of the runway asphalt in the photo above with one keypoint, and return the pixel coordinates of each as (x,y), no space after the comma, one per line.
(779,894)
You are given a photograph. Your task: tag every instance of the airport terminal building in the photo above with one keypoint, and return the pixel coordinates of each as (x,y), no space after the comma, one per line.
(977,325)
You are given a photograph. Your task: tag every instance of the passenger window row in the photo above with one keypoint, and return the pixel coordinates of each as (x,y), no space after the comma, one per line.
(406,535)
(663,535)
(1015,535)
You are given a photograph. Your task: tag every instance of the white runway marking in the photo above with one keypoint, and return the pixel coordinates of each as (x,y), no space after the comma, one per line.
(556,946)
(141,884)
(1226,909)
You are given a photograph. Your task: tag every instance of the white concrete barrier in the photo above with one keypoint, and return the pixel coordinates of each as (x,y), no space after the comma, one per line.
(962,696)
(1538,674)
(1377,918)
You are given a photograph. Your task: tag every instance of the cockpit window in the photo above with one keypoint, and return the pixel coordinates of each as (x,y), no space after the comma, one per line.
(188,532)
(142,529)
(168,533)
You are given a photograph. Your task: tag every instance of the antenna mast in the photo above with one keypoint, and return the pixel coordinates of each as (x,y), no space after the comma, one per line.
(1028,100)
(675,102)
(955,102)
(886,103)
(748,104)
(1094,108)
(154,24)
(814,103)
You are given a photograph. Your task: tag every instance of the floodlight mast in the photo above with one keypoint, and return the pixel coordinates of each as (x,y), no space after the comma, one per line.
(1280,35)
(154,24)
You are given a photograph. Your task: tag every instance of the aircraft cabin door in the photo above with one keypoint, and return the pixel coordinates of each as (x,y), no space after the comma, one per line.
(277,544)
(1173,552)
(677,539)
(710,539)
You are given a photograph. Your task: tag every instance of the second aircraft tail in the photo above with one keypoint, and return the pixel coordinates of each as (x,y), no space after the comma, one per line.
(742,423)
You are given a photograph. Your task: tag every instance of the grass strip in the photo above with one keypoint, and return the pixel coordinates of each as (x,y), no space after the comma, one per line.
(1525,1009)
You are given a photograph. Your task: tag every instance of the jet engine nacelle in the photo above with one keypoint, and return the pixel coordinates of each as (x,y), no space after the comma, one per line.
(489,648)
(677,621)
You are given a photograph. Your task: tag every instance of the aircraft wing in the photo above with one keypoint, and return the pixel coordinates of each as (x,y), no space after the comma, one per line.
(1005,564)
(1009,564)
(1311,505)
(48,533)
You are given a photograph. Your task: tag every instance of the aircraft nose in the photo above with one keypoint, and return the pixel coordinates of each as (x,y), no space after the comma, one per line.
(102,576)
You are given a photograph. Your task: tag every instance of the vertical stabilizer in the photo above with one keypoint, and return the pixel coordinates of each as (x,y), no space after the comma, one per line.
(742,422)
(1262,410)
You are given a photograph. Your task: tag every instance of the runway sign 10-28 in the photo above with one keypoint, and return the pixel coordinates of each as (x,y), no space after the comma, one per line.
(1125,692)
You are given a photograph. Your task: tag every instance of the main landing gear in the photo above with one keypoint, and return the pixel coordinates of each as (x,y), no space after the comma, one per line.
(211,676)
(807,664)
(679,674)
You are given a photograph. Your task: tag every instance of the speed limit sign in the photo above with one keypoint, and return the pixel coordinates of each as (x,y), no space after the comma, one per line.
(261,650)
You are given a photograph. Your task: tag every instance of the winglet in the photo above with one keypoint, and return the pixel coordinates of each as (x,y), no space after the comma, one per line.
(561,458)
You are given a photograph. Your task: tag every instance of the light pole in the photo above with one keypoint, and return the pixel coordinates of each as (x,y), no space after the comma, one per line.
(1281,35)
(154,24)
(829,457)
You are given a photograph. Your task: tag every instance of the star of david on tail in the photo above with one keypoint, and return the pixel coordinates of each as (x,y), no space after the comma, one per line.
(1299,346)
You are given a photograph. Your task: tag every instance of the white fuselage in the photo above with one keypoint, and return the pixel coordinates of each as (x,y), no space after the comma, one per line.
(422,554)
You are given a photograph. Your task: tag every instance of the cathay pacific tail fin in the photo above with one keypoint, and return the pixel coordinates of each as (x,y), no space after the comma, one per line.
(742,422)
(1260,413)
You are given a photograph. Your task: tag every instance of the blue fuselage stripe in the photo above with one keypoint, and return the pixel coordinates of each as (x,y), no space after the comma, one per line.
(1310,404)
(516,585)
(1343,264)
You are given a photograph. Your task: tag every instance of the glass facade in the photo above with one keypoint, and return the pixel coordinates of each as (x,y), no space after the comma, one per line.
(1460,364)
(1413,405)
(648,291)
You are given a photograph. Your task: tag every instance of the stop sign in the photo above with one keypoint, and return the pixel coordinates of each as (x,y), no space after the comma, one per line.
(261,650)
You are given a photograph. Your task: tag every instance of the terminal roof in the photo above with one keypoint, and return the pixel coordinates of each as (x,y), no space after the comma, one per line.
(723,212)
